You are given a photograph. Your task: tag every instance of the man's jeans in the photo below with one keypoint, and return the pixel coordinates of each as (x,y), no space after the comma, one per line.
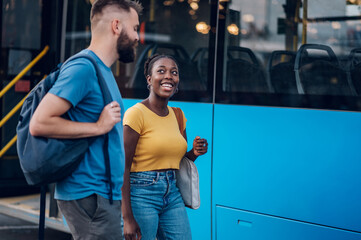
(158,206)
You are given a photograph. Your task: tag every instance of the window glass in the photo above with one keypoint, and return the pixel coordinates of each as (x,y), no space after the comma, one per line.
(78,34)
(175,27)
(180,29)
(21,24)
(272,56)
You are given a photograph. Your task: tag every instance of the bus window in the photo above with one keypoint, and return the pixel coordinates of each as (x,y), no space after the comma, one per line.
(176,28)
(180,29)
(78,34)
(21,24)
(293,54)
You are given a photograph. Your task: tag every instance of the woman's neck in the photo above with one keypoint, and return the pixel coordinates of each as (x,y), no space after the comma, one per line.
(159,107)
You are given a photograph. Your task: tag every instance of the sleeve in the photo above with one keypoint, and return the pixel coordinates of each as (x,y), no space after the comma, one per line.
(184,120)
(133,118)
(74,81)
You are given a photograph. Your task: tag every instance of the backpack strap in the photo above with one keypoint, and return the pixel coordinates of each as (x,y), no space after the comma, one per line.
(103,86)
(41,232)
(179,115)
(107,99)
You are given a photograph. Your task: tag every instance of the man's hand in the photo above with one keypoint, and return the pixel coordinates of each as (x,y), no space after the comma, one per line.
(109,117)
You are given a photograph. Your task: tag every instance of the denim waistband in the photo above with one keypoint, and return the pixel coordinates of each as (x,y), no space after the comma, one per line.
(154,174)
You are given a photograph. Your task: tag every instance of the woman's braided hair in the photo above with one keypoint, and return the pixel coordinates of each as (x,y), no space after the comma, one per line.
(148,65)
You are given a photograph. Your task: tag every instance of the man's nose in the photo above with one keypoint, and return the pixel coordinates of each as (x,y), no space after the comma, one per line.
(137,37)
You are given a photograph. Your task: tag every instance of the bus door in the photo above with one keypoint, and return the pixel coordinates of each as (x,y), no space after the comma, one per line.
(27,27)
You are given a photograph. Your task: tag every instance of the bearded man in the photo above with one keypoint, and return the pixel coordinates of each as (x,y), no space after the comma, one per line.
(83,197)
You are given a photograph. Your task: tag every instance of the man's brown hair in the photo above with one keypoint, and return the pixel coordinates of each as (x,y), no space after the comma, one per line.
(126,5)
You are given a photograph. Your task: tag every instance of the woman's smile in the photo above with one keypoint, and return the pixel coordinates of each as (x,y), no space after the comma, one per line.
(167,86)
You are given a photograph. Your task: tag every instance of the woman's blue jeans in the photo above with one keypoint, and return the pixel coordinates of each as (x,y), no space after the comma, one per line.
(158,206)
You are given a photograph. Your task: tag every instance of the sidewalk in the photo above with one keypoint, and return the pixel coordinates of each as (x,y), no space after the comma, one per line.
(28,208)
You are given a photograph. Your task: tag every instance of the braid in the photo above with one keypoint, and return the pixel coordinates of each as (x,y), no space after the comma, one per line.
(148,65)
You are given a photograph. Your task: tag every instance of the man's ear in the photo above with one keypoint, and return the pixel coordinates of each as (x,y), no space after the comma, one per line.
(116,26)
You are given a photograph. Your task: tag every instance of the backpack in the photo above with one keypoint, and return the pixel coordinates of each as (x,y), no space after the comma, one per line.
(48,160)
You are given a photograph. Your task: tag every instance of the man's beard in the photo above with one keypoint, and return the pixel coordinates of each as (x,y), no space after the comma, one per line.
(126,48)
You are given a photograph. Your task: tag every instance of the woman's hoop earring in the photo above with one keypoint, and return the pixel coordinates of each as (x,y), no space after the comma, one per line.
(176,90)
(148,86)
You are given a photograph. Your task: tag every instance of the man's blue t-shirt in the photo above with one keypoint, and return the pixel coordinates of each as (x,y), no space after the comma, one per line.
(78,84)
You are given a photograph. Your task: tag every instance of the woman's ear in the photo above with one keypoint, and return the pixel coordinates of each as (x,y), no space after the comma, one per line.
(149,80)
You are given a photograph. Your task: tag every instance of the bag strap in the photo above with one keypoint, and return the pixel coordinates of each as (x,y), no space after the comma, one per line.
(103,86)
(41,232)
(179,115)
(107,99)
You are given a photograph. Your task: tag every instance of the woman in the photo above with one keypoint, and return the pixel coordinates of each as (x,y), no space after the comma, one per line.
(151,202)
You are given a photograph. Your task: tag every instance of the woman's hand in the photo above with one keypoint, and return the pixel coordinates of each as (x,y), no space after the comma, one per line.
(131,230)
(200,146)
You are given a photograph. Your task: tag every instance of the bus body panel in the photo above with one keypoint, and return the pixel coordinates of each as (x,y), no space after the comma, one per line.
(199,123)
(297,164)
(237,224)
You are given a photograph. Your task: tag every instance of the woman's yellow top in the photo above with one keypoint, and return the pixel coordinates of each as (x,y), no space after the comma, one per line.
(160,145)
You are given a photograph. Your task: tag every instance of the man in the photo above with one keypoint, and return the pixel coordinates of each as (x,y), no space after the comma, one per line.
(83,197)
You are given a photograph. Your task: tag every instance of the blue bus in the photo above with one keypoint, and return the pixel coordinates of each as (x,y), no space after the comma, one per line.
(273,85)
